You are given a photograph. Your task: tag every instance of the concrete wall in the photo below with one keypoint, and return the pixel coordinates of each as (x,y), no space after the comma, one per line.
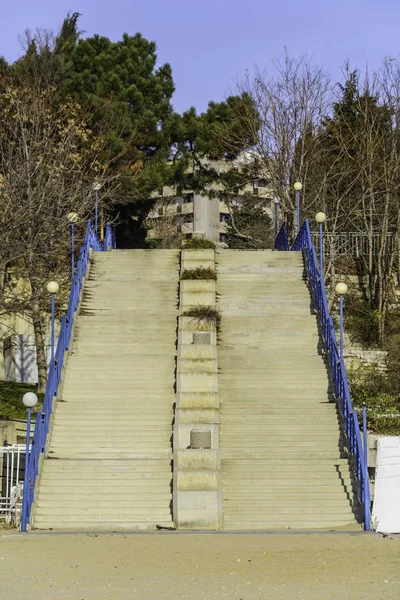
(197,488)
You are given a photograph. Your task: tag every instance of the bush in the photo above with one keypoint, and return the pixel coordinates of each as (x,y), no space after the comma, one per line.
(198,243)
(199,273)
(205,314)
(383,408)
(361,321)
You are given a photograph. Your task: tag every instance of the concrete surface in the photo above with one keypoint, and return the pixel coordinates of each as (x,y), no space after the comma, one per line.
(283,464)
(109,459)
(170,566)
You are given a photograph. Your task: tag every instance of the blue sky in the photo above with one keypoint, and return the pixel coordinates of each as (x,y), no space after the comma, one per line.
(211,43)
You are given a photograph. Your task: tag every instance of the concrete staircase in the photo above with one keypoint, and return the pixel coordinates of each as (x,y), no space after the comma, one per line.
(109,457)
(283,464)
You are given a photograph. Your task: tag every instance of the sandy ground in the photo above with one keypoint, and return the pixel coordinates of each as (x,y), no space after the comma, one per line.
(166,566)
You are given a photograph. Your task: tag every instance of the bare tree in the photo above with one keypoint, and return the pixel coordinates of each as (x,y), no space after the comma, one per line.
(49,160)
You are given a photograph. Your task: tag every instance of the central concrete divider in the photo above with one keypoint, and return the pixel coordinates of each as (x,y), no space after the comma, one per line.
(197,488)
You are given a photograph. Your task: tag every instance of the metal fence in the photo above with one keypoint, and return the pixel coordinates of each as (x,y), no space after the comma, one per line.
(12,465)
(354,244)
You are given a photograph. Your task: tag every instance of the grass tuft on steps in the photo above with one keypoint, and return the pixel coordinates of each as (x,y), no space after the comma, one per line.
(205,314)
(199,273)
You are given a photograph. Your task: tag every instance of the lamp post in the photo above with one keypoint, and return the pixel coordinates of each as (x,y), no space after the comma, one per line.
(30,400)
(321,218)
(276,204)
(72,218)
(341,290)
(298,186)
(96,187)
(52,288)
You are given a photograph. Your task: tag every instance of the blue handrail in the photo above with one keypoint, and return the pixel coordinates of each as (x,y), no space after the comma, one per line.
(304,243)
(38,446)
(282,239)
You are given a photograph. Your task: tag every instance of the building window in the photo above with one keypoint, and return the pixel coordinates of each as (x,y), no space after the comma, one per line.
(188,198)
(222,238)
(224,218)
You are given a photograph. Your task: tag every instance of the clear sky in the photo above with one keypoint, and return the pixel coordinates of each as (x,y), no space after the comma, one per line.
(211,43)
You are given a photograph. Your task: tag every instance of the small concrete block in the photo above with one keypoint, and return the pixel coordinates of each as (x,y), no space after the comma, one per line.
(197,382)
(198,510)
(196,480)
(199,349)
(197,285)
(182,435)
(199,365)
(189,299)
(198,400)
(200,439)
(194,415)
(194,254)
(186,338)
(197,460)
(201,337)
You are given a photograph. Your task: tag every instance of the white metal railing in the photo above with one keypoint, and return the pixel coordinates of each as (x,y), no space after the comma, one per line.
(11,478)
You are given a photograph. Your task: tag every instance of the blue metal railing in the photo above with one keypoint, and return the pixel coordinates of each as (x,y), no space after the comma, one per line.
(282,240)
(351,426)
(91,242)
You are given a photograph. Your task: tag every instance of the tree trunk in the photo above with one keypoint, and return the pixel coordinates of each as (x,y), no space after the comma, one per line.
(40,348)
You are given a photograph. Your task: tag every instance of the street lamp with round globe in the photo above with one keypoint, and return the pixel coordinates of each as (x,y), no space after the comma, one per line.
(29,400)
(73,218)
(320,218)
(298,186)
(52,288)
(276,216)
(341,289)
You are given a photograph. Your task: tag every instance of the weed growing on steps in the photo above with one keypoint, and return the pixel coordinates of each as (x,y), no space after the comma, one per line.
(204,314)
(198,243)
(199,273)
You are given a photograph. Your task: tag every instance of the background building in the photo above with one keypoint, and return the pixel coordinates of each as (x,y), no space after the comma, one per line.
(176,215)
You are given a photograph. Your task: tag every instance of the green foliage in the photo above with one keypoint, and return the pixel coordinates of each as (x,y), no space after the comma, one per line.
(361,321)
(11,393)
(250,227)
(198,243)
(199,273)
(204,314)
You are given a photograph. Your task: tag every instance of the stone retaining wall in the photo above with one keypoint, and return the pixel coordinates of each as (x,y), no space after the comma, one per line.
(197,487)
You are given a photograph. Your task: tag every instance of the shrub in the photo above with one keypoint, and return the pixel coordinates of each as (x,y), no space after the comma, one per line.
(205,314)
(361,321)
(198,243)
(383,408)
(199,273)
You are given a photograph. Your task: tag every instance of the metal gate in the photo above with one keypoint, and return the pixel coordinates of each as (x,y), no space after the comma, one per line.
(12,469)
